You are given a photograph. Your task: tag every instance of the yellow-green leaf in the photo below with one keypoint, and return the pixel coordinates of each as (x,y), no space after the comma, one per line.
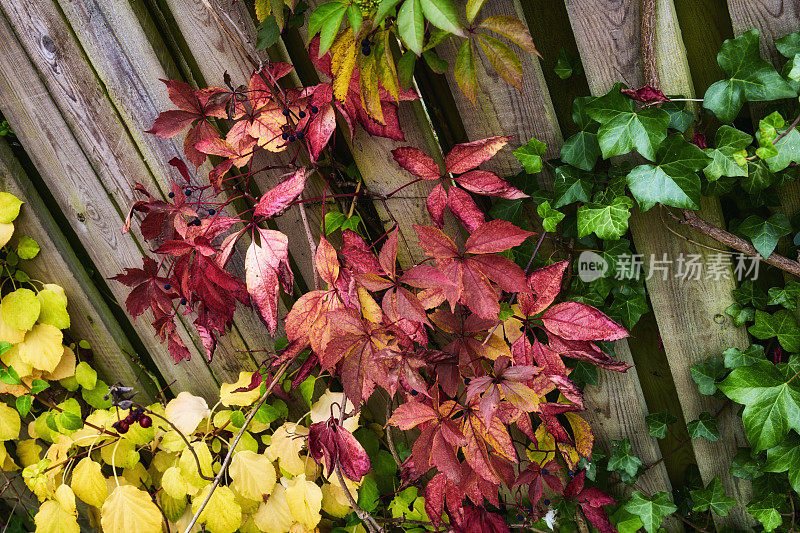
(222,514)
(173,483)
(27,248)
(53,309)
(42,347)
(129,509)
(369,83)
(464,71)
(9,207)
(86,375)
(9,423)
(473,6)
(88,482)
(503,59)
(253,475)
(21,309)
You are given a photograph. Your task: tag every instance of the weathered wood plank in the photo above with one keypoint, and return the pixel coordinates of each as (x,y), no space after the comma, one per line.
(608,37)
(90,317)
(504,110)
(86,193)
(129,70)
(704,26)
(772,18)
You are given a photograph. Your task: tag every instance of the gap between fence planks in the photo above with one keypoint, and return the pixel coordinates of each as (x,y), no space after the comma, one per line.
(608,38)
(90,317)
(84,189)
(503,110)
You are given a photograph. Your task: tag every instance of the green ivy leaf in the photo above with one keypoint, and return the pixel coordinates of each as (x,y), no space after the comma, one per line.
(785,296)
(741,315)
(734,357)
(680,118)
(749,293)
(658,423)
(623,128)
(772,404)
(650,511)
(713,498)
(781,324)
(758,178)
(626,522)
(530,155)
(766,510)
(751,78)
(673,180)
(706,374)
(745,466)
(785,151)
(786,457)
(584,373)
(729,141)
(564,64)
(623,461)
(606,221)
(268,33)
(550,216)
(629,305)
(571,185)
(764,234)
(704,427)
(581,150)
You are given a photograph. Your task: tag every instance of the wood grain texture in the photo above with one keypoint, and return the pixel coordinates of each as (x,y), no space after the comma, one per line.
(526,113)
(90,317)
(704,25)
(687,312)
(129,70)
(84,188)
(772,18)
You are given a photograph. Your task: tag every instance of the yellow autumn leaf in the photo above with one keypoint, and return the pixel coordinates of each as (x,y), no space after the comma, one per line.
(274,515)
(7,463)
(227,397)
(163,460)
(38,481)
(173,507)
(20,309)
(253,474)
(343,62)
(129,509)
(53,308)
(329,405)
(42,347)
(122,454)
(188,464)
(6,232)
(222,514)
(331,503)
(88,482)
(66,498)
(545,441)
(173,483)
(53,518)
(9,423)
(182,523)
(9,334)
(263,9)
(584,438)
(304,499)
(29,452)
(285,447)
(186,411)
(9,207)
(65,368)
(369,83)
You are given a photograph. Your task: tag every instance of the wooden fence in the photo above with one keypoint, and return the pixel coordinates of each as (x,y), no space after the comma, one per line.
(79,83)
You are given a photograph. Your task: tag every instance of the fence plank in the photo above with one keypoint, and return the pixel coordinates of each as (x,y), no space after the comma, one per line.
(772,18)
(129,69)
(504,110)
(90,317)
(608,37)
(82,190)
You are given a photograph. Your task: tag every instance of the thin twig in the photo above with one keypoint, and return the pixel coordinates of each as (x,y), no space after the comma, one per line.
(186,440)
(311,244)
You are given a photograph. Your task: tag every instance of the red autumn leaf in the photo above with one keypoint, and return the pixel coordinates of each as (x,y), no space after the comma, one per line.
(591,501)
(646,94)
(489,184)
(535,476)
(277,200)
(436,203)
(545,284)
(582,322)
(464,208)
(417,162)
(466,156)
(585,351)
(699,139)
(411,414)
(495,236)
(149,289)
(266,268)
(332,443)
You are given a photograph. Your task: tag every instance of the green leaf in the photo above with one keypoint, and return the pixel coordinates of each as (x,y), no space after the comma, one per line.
(713,498)
(473,6)
(355,18)
(623,461)
(623,128)
(53,309)
(464,71)
(673,180)
(751,78)
(680,118)
(9,376)
(729,141)
(785,457)
(629,305)
(368,494)
(27,248)
(95,396)
(745,466)
(9,207)
(781,324)
(268,33)
(442,14)
(706,374)
(504,61)
(704,427)
(39,385)
(411,25)
(734,357)
(749,293)
(785,296)
(570,185)
(765,510)
(626,522)
(789,45)
(385,8)
(584,373)
(333,221)
(238,418)
(786,151)
(581,150)
(764,234)
(650,511)
(772,404)
(326,19)
(86,375)
(405,68)
(758,178)
(741,315)
(606,221)
(550,217)
(24,404)
(658,423)
(530,155)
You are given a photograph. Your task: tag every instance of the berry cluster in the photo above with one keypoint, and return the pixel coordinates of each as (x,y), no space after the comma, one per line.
(136,415)
(365,47)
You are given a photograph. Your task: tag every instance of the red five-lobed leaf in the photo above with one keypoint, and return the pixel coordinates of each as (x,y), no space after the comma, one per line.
(466,156)
(276,200)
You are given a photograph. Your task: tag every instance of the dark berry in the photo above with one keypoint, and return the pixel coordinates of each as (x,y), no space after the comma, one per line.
(314,109)
(212,211)
(365,43)
(300,134)
(285,112)
(301,114)
(188,192)
(183,301)
(292,138)
(121,426)
(167,286)
(570,473)
(284,135)
(366,51)
(145,421)
(544,472)
(414,393)
(196,222)
(171,195)
(546,501)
